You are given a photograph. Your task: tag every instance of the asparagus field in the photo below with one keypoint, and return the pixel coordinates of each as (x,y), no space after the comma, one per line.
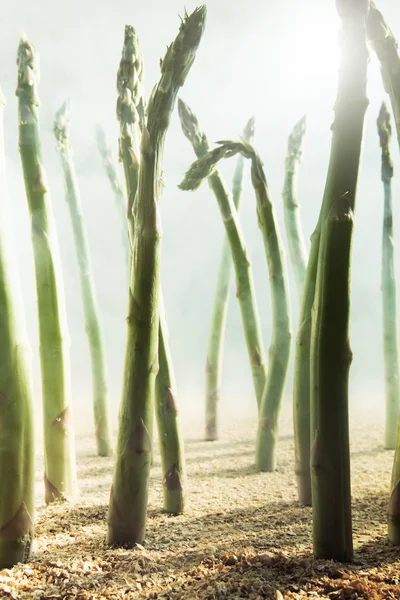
(156,449)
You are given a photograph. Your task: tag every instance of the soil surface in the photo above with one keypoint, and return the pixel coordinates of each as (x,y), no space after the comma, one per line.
(243,535)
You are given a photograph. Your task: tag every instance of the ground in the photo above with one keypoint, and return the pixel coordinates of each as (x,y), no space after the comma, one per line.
(243,536)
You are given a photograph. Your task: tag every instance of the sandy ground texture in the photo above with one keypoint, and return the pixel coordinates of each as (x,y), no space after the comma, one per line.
(243,536)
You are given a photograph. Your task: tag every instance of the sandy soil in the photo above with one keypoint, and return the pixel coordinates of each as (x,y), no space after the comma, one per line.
(243,536)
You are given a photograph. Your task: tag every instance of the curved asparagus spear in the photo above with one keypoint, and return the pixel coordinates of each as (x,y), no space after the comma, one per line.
(330,345)
(61,129)
(244,278)
(297,247)
(116,185)
(17,451)
(386,47)
(129,492)
(388,288)
(59,452)
(280,344)
(218,322)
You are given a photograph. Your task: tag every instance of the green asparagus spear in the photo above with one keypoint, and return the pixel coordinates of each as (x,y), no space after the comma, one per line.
(244,278)
(218,321)
(297,247)
(93,328)
(17,451)
(116,185)
(280,345)
(330,345)
(59,451)
(129,492)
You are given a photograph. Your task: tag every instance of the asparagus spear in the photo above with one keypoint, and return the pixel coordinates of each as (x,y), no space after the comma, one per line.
(280,344)
(244,278)
(386,48)
(129,492)
(116,185)
(346,139)
(218,321)
(61,129)
(59,451)
(330,345)
(388,288)
(17,452)
(297,248)
(130,114)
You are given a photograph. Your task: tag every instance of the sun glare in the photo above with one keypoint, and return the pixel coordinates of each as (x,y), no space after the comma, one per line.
(309,57)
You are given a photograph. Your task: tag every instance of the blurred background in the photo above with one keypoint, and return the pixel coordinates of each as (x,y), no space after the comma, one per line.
(274,60)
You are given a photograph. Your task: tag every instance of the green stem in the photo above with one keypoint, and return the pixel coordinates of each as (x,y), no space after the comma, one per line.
(219,314)
(17,451)
(330,346)
(116,186)
(129,492)
(297,247)
(388,288)
(330,363)
(59,452)
(386,48)
(245,291)
(169,429)
(93,328)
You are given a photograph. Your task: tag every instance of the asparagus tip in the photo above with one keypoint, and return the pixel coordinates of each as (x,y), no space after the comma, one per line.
(61,123)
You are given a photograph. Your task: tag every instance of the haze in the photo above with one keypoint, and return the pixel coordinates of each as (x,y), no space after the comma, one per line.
(276,61)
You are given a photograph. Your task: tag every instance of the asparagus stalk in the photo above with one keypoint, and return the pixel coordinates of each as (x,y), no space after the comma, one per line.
(61,129)
(219,314)
(280,344)
(168,424)
(330,363)
(116,185)
(330,346)
(17,452)
(346,143)
(297,247)
(59,451)
(389,302)
(386,48)
(129,492)
(244,278)
(129,112)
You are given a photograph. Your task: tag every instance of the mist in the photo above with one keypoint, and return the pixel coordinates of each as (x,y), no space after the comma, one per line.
(253,60)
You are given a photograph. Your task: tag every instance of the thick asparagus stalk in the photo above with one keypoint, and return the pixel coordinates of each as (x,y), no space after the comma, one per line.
(59,451)
(116,185)
(330,363)
(388,288)
(129,112)
(218,321)
(244,278)
(129,492)
(93,328)
(386,47)
(280,344)
(346,142)
(297,247)
(17,451)
(330,346)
